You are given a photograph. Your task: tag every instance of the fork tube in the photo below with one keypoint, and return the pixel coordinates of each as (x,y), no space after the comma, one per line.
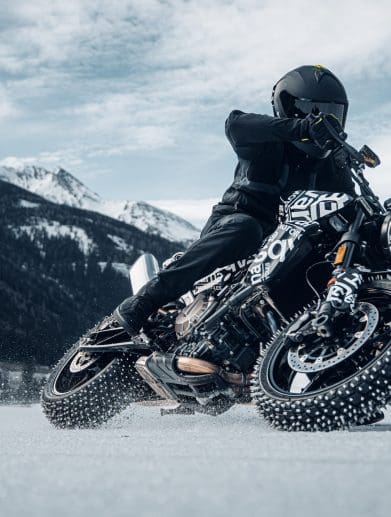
(352,237)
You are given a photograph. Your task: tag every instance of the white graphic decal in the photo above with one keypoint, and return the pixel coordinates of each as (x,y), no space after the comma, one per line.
(312,205)
(343,293)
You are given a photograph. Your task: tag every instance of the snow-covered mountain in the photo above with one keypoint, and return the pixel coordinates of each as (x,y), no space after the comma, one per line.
(151,219)
(62,269)
(62,187)
(58,186)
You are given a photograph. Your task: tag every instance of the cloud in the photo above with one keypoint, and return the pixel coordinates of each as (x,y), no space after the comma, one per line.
(45,159)
(75,34)
(114,80)
(379,178)
(238,48)
(130,121)
(196,211)
(194,50)
(7,107)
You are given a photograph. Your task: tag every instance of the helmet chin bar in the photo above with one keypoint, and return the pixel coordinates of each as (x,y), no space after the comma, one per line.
(312,150)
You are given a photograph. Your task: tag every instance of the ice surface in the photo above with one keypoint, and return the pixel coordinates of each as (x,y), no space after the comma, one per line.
(142,464)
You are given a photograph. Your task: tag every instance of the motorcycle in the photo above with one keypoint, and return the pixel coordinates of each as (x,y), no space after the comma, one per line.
(301,329)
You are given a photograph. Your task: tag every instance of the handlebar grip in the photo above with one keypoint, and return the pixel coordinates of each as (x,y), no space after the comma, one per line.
(351,150)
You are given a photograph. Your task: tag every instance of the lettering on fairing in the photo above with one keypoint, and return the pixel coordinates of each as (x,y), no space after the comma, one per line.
(275,250)
(218,277)
(312,205)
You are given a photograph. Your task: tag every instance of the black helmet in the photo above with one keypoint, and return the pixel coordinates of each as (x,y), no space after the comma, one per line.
(310,89)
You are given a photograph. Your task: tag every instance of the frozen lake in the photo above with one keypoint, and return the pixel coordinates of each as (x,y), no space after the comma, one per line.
(142,464)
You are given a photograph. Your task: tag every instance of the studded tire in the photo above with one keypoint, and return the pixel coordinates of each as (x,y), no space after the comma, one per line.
(352,401)
(93,403)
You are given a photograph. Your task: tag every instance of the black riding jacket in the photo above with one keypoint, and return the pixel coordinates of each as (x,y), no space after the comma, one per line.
(270,167)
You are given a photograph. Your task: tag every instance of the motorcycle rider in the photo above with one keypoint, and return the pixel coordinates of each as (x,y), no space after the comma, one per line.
(292,150)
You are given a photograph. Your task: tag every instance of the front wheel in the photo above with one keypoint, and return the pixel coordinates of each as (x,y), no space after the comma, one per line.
(330,384)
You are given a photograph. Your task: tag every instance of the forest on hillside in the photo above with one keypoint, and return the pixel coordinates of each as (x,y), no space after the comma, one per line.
(51,288)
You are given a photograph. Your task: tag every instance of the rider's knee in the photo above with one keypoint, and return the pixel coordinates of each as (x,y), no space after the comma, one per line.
(249,227)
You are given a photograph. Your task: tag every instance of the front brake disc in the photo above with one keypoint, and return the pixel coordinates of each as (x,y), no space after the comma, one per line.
(306,357)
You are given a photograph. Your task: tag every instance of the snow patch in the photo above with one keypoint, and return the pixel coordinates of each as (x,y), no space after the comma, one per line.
(53,229)
(119,267)
(28,204)
(102,266)
(120,243)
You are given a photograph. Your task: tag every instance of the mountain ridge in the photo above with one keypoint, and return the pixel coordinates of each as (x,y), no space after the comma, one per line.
(60,186)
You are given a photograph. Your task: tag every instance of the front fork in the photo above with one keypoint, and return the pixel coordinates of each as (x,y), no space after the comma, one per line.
(345,281)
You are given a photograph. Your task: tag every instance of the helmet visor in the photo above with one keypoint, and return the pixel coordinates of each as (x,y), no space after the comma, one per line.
(303,107)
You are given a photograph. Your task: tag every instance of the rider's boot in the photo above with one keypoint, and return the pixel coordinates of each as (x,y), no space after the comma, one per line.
(134,311)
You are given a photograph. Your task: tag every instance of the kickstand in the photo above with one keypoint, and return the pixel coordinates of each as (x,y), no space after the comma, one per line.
(179,410)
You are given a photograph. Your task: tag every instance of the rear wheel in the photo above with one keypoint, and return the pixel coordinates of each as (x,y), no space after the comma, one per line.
(85,390)
(329,384)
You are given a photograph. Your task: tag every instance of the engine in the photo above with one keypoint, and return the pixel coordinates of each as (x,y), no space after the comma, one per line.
(188,319)
(231,341)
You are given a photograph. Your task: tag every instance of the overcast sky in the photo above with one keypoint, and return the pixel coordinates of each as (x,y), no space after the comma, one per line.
(131,95)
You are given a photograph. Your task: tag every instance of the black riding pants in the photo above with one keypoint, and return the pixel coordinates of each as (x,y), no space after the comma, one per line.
(224,239)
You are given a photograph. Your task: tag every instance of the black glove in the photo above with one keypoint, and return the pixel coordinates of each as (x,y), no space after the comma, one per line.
(342,158)
(316,130)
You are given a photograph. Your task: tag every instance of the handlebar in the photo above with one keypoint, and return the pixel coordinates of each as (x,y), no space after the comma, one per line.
(365,156)
(359,159)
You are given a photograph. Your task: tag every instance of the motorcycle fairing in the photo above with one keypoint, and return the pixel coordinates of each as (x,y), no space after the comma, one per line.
(302,211)
(312,205)
(281,245)
(217,279)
